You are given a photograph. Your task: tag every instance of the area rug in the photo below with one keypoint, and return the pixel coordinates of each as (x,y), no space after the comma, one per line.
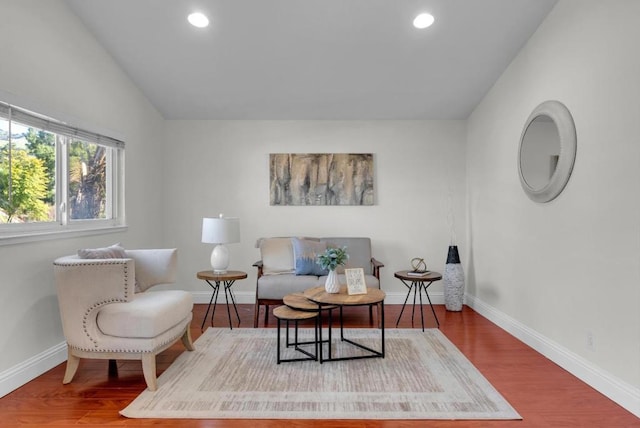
(233,374)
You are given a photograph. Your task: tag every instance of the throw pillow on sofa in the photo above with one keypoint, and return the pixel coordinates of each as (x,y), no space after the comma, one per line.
(276,255)
(305,254)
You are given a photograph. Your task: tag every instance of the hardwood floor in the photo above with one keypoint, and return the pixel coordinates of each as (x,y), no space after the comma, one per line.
(544,394)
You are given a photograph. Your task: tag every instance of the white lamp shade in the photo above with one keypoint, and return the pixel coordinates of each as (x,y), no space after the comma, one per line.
(221,230)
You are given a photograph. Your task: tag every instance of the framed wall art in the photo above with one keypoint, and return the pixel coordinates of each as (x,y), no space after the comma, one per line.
(321,179)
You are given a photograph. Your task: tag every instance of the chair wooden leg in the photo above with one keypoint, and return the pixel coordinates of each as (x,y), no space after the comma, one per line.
(266,314)
(149,371)
(113,368)
(186,339)
(72,366)
(256,312)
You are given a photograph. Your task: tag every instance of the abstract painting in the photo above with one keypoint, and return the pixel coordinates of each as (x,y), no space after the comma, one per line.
(321,178)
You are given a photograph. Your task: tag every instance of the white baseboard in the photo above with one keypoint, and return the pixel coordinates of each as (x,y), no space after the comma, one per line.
(22,373)
(621,392)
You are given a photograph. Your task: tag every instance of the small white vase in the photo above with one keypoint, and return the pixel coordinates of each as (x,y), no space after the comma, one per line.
(332,285)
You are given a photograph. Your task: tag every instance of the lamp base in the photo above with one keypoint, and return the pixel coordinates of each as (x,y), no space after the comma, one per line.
(220,259)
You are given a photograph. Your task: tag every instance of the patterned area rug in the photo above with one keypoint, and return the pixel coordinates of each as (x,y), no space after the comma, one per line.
(233,374)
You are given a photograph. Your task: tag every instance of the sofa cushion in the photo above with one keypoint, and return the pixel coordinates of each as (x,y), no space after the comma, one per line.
(359,250)
(277,286)
(147,315)
(305,254)
(277,256)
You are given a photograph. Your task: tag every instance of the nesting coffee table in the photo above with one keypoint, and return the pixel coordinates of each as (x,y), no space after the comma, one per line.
(324,300)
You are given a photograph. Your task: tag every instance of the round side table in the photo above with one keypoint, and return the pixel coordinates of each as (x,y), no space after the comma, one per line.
(417,283)
(225,279)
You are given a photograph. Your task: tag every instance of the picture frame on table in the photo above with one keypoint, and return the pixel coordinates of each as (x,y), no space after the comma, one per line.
(355,281)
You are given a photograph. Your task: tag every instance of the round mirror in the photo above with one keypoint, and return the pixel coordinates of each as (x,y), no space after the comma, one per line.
(547,151)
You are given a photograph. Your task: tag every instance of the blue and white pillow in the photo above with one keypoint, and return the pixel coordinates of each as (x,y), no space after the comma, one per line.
(305,254)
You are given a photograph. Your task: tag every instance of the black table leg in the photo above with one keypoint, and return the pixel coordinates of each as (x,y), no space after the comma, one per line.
(214,300)
(233,300)
(430,304)
(404,304)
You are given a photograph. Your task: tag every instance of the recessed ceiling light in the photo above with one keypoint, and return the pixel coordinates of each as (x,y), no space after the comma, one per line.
(198,19)
(423,20)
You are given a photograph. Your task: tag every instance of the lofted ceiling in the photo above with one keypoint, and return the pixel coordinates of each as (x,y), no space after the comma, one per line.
(313,59)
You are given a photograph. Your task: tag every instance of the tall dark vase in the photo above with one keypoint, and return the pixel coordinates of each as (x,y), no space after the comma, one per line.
(453,281)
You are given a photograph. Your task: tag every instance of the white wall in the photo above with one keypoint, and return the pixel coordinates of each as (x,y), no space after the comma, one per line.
(570,266)
(52,65)
(223,167)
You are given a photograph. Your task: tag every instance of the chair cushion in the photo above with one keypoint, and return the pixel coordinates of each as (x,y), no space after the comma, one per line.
(277,256)
(147,315)
(305,254)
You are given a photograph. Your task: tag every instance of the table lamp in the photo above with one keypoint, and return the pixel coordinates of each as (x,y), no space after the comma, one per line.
(220,231)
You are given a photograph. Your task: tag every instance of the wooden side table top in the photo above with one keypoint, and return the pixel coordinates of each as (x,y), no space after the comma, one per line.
(319,295)
(230,275)
(431,276)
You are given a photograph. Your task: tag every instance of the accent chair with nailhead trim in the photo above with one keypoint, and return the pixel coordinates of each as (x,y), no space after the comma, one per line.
(104,317)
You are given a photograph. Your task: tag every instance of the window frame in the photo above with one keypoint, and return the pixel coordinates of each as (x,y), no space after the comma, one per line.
(63,226)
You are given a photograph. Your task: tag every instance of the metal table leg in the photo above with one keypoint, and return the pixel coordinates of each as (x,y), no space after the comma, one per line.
(430,304)
(226,285)
(227,292)
(214,300)
(417,287)
(405,301)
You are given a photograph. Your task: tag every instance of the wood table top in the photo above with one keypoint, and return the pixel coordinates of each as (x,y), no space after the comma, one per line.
(300,302)
(429,276)
(287,313)
(230,275)
(342,298)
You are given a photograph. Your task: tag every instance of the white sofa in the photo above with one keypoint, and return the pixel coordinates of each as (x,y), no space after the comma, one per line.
(104,317)
(280,272)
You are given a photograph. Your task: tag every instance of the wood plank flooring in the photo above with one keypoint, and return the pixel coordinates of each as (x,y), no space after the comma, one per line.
(543,393)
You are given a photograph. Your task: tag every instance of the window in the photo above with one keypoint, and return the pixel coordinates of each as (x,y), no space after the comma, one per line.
(55,177)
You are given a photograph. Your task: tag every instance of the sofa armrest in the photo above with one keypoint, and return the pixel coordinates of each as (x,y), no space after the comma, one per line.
(259,265)
(376,267)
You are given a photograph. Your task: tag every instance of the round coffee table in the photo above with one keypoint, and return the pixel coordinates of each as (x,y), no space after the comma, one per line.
(374,296)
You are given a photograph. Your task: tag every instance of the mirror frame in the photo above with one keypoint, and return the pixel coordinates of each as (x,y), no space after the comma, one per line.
(561,116)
